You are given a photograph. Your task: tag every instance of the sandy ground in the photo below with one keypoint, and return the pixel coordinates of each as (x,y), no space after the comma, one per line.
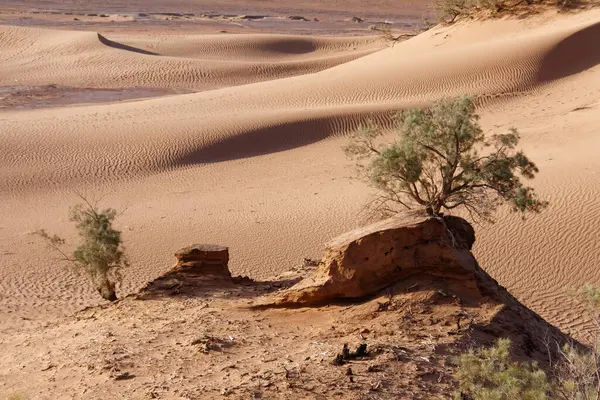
(252,159)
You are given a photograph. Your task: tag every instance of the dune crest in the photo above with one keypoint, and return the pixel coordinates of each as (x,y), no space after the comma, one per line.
(34,56)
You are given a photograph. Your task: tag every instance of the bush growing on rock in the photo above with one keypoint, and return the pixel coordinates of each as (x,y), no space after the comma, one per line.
(100,252)
(442,160)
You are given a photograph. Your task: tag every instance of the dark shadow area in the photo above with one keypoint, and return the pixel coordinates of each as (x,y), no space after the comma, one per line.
(187,284)
(121,46)
(532,338)
(281,137)
(575,54)
(291,46)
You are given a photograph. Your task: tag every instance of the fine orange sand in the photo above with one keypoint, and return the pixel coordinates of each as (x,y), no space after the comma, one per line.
(253,159)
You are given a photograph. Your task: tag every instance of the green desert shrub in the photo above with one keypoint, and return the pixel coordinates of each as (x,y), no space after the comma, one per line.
(450,10)
(577,374)
(490,374)
(442,160)
(100,253)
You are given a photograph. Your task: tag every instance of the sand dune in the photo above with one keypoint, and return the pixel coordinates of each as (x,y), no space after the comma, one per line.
(237,122)
(32,56)
(258,165)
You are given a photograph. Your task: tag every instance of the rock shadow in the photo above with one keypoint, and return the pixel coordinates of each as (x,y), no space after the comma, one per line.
(188,284)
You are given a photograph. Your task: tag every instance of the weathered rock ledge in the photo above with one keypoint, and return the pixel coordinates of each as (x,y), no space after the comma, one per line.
(362,262)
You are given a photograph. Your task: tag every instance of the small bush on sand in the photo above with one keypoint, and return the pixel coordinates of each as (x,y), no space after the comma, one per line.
(490,374)
(450,10)
(100,252)
(441,160)
(386,33)
(487,374)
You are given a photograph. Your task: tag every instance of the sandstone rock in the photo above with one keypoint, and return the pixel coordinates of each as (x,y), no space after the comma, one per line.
(200,269)
(427,261)
(204,259)
(362,262)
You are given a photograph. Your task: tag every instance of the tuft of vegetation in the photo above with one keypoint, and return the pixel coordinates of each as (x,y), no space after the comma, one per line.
(100,252)
(490,374)
(386,33)
(578,374)
(17,396)
(442,160)
(450,10)
(578,371)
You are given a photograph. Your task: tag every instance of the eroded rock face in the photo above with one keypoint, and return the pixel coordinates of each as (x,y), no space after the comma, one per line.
(204,259)
(362,262)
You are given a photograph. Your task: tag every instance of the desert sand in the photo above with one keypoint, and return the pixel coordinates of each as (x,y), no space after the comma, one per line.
(244,147)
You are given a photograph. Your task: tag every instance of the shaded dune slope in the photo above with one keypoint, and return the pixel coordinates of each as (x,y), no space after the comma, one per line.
(249,47)
(118,141)
(574,54)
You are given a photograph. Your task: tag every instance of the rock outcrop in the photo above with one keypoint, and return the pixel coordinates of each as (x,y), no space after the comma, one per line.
(422,262)
(362,262)
(200,268)
(204,259)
